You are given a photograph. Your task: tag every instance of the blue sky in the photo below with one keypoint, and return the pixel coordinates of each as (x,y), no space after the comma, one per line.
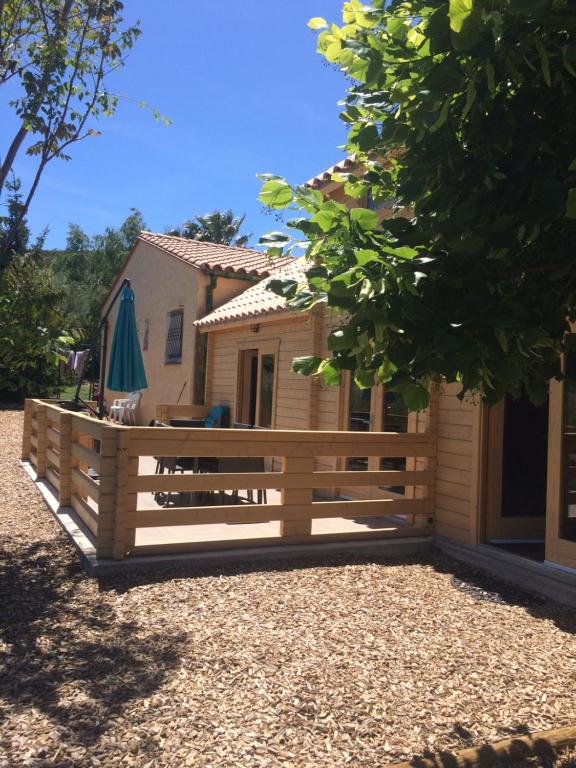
(246,92)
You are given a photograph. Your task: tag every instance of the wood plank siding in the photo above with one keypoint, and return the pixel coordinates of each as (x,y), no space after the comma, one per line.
(294,338)
(456,455)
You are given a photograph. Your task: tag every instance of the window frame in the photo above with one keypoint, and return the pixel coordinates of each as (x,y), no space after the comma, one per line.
(172,359)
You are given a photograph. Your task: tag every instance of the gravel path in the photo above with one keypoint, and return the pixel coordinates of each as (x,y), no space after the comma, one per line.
(347,663)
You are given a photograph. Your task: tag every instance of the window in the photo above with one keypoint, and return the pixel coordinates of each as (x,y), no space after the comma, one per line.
(266,390)
(569,440)
(173,352)
(358,420)
(394,419)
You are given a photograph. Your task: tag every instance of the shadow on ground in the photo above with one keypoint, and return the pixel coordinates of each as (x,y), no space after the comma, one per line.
(517,754)
(63,651)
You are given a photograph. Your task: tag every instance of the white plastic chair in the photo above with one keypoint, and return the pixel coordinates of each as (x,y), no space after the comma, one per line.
(123,409)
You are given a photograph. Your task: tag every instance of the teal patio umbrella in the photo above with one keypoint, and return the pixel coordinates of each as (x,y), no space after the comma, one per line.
(126,373)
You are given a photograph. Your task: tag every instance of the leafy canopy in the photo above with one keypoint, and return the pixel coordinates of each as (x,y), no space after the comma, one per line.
(87,267)
(32,323)
(215,227)
(462,115)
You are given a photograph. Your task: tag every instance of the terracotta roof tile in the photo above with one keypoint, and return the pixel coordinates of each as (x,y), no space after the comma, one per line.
(256,301)
(344,166)
(226,258)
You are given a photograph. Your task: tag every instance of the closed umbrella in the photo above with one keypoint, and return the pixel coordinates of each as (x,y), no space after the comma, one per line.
(126,373)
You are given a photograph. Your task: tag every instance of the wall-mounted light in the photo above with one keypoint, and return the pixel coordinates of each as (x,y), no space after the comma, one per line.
(255,328)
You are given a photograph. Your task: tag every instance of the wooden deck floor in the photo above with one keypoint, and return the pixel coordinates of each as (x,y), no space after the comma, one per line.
(231,531)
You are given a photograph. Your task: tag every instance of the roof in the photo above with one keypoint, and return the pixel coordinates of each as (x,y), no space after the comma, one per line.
(344,166)
(256,301)
(213,256)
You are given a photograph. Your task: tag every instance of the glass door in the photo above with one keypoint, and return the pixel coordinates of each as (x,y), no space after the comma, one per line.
(255,404)
(373,410)
(517,471)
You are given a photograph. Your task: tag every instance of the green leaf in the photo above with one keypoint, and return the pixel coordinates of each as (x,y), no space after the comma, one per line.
(571,204)
(274,238)
(364,379)
(415,396)
(317,23)
(544,62)
(330,373)
(459,12)
(366,256)
(342,338)
(364,218)
(283,287)
(276,193)
(490,77)
(306,366)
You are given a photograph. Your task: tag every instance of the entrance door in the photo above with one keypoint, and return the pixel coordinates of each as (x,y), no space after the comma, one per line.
(256,390)
(517,469)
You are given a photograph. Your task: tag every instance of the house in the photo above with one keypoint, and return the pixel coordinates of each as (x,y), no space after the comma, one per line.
(176,281)
(505,477)
(496,487)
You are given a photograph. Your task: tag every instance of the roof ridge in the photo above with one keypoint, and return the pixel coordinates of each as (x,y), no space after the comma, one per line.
(202,242)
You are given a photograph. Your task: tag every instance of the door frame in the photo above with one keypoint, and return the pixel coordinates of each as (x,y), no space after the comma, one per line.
(261,347)
(494,527)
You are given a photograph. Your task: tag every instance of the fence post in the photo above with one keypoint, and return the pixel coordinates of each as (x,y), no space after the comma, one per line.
(107,500)
(161,413)
(27,429)
(65,495)
(124,532)
(296,496)
(42,420)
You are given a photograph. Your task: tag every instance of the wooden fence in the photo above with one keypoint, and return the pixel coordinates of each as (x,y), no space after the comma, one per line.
(94,467)
(163,412)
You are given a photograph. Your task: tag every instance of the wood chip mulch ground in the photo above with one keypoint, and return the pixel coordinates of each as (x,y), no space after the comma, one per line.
(344,662)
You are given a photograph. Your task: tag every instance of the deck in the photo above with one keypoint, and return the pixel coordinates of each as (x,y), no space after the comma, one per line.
(106,475)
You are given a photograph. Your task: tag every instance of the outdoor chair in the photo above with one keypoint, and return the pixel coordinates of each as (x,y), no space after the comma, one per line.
(123,409)
(243,464)
(219,416)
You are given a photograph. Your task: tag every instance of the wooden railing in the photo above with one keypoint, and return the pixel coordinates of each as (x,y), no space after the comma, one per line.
(163,412)
(94,467)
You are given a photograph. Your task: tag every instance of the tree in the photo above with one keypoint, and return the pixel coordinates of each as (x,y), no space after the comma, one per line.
(56,55)
(215,227)
(86,268)
(463,113)
(32,324)
(13,225)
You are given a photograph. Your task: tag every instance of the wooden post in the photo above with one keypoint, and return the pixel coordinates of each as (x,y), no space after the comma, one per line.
(161,414)
(290,496)
(42,419)
(429,425)
(27,431)
(124,532)
(65,468)
(107,500)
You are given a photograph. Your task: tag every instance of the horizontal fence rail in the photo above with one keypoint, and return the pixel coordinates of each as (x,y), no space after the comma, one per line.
(98,469)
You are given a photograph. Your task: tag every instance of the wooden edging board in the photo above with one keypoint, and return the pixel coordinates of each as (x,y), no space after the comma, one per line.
(541,743)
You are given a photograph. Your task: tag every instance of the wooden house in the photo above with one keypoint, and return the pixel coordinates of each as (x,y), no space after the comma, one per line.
(176,281)
(505,477)
(493,486)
